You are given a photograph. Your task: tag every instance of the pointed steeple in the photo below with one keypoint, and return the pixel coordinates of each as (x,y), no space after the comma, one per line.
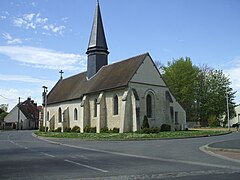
(97,48)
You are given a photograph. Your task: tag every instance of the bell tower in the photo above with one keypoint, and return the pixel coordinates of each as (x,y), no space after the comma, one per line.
(97,51)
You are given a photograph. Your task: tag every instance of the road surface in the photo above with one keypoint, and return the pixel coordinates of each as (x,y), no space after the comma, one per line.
(23,156)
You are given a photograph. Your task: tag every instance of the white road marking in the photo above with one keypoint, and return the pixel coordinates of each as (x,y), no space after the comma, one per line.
(148,157)
(46,154)
(86,166)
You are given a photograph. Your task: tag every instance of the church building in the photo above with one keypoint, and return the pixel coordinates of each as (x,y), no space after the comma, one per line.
(116,95)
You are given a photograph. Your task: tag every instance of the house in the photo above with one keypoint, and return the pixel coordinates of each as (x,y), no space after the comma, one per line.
(23,116)
(236,119)
(115,95)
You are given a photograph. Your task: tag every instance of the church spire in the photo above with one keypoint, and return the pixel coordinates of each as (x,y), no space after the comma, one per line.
(97,48)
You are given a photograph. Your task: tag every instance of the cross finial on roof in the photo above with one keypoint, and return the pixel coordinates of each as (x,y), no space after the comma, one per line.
(61,72)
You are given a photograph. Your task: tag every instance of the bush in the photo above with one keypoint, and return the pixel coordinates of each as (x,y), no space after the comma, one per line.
(212,121)
(42,129)
(104,130)
(93,130)
(67,129)
(59,129)
(165,127)
(114,130)
(145,123)
(75,129)
(89,129)
(149,131)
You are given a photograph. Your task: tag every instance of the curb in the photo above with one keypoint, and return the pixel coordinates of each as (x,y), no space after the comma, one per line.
(212,151)
(209,148)
(144,139)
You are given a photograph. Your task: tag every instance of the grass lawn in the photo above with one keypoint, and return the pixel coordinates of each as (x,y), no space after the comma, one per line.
(131,136)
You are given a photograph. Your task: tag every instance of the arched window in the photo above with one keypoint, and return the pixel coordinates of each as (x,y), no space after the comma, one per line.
(59,115)
(115,105)
(75,114)
(95,107)
(48,116)
(149,106)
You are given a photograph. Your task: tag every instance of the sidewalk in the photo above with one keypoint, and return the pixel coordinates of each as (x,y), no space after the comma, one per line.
(229,149)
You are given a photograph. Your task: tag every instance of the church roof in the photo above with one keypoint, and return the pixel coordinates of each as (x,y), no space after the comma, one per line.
(108,77)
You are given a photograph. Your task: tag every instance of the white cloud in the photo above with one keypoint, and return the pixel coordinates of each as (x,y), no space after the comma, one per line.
(36,21)
(55,29)
(28,17)
(64,19)
(26,79)
(45,58)
(10,39)
(33,4)
(3,17)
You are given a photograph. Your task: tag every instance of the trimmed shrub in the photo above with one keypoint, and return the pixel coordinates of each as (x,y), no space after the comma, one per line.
(145,123)
(114,130)
(93,130)
(165,127)
(104,130)
(75,129)
(42,129)
(67,129)
(59,129)
(87,129)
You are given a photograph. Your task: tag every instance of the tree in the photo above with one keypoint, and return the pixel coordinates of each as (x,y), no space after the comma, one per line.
(200,90)
(212,87)
(2,114)
(181,77)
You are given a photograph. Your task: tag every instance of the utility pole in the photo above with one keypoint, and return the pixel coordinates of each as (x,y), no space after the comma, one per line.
(45,106)
(228,111)
(18,126)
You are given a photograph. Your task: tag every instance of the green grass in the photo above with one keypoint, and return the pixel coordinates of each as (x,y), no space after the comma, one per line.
(131,136)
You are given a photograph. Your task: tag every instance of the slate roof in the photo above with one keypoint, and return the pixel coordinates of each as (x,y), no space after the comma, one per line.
(108,77)
(97,38)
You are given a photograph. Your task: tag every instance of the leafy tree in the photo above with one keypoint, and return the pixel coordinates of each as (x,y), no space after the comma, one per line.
(181,77)
(211,99)
(200,90)
(2,114)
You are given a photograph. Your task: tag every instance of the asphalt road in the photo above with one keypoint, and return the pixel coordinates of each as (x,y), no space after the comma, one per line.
(23,156)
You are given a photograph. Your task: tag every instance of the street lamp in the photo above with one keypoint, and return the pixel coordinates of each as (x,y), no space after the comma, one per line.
(45,105)
(228,118)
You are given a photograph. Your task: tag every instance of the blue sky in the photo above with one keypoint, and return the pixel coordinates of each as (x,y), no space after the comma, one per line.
(40,37)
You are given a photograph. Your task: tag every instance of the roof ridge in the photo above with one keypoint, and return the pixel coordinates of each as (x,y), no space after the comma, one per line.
(120,61)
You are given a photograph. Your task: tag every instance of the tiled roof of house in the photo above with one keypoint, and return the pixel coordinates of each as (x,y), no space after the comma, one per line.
(108,77)
(29,109)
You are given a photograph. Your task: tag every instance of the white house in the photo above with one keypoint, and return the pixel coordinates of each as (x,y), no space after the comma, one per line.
(22,116)
(236,119)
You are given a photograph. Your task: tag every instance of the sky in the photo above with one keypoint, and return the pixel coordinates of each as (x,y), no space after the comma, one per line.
(38,38)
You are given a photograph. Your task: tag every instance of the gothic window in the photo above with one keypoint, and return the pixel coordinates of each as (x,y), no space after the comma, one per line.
(95,107)
(115,105)
(48,116)
(75,114)
(59,115)
(176,118)
(149,106)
